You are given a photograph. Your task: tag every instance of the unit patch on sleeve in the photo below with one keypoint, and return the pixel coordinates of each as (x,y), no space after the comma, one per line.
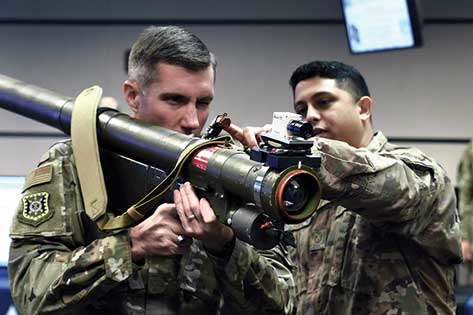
(35,209)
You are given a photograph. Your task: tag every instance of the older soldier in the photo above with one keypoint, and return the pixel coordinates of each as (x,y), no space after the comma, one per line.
(60,263)
(386,238)
(465,189)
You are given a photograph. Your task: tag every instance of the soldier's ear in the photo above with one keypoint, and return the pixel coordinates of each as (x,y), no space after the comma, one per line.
(364,107)
(131,91)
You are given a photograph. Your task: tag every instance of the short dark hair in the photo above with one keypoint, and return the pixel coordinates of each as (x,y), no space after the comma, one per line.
(169,44)
(346,77)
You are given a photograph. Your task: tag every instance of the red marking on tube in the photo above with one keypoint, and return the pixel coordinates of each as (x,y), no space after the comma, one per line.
(266,226)
(201,159)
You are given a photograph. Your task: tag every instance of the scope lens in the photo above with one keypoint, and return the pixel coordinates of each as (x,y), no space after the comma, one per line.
(300,128)
(295,196)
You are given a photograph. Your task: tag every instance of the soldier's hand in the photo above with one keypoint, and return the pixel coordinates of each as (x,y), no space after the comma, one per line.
(249,136)
(199,220)
(466,250)
(160,234)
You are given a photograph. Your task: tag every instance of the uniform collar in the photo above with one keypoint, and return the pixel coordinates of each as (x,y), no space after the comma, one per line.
(377,142)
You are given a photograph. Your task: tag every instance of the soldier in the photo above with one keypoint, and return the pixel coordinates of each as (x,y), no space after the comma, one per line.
(386,237)
(465,198)
(179,260)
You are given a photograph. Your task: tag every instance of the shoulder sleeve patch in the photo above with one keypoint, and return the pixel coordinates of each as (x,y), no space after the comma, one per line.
(41,175)
(35,209)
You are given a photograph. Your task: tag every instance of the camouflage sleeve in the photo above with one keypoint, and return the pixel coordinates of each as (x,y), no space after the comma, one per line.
(301,271)
(392,187)
(465,189)
(256,281)
(52,268)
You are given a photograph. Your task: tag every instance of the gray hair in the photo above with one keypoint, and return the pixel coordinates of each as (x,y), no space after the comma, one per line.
(169,44)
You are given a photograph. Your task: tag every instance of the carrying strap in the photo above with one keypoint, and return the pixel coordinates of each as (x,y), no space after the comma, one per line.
(86,152)
(89,169)
(138,211)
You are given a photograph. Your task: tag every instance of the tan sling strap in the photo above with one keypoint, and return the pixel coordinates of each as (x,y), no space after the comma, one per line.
(139,210)
(86,152)
(89,169)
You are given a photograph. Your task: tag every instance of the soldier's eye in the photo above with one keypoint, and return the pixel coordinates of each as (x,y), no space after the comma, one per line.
(301,109)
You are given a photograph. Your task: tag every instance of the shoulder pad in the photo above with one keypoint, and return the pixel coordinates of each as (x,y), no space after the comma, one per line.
(62,148)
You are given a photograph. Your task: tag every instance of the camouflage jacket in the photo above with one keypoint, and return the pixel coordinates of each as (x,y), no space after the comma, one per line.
(465,189)
(60,263)
(385,238)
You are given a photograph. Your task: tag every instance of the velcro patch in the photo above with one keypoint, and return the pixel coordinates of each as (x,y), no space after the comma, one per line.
(35,209)
(41,175)
(318,239)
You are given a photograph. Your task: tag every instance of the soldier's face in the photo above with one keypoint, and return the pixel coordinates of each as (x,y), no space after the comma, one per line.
(178,100)
(332,111)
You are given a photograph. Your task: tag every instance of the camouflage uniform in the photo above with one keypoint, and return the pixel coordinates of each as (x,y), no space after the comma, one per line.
(386,237)
(60,263)
(465,189)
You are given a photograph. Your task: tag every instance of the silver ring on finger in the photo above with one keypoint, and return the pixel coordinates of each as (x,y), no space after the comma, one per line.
(191,217)
(180,239)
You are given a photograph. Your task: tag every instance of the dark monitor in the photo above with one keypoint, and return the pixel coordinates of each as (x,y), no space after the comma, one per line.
(379,25)
(10,193)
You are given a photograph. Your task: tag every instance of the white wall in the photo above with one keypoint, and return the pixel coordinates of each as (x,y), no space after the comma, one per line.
(424,92)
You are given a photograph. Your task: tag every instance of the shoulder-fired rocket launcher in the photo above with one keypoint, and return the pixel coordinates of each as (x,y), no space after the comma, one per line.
(253,198)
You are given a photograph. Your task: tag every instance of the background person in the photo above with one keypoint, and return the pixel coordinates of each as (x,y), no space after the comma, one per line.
(465,201)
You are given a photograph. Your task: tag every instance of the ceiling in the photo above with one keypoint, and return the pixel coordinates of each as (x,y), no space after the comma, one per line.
(205,11)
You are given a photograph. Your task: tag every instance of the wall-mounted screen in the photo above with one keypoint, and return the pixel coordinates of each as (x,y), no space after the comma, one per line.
(10,193)
(379,25)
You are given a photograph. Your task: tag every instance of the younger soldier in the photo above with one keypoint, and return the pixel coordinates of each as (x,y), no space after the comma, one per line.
(386,237)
